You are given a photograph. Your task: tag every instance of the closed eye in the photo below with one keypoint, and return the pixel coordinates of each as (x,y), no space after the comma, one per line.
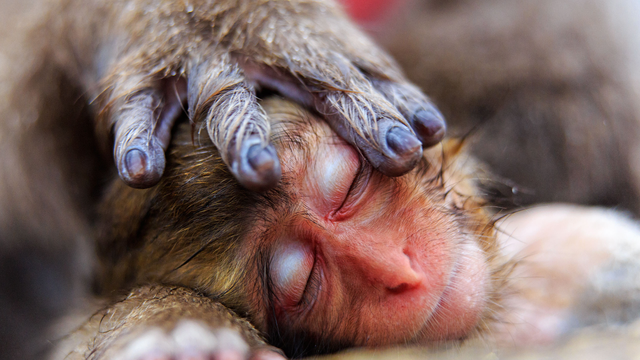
(331,179)
(355,192)
(311,291)
(294,274)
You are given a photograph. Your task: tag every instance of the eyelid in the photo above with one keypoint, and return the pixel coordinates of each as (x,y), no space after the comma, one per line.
(331,176)
(290,269)
(361,178)
(358,184)
(312,289)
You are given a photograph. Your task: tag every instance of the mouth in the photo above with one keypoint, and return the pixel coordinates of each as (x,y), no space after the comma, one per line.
(463,300)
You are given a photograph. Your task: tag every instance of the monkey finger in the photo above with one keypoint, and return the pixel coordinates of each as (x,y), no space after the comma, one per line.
(356,111)
(425,119)
(367,120)
(143,132)
(224,103)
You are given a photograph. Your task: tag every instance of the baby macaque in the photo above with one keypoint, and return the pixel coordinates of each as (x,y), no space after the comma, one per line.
(310,267)
(337,255)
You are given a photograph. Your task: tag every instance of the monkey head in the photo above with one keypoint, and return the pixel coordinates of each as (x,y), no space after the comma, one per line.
(336,255)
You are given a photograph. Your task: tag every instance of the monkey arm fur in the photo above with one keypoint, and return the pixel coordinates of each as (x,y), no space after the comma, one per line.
(114,331)
(142,59)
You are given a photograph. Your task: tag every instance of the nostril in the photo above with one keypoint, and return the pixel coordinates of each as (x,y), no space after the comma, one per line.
(405,276)
(399,289)
(404,279)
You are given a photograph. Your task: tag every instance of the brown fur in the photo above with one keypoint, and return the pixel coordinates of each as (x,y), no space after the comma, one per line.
(109,331)
(48,171)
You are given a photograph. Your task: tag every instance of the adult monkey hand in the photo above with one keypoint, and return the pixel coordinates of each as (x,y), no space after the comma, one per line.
(214,55)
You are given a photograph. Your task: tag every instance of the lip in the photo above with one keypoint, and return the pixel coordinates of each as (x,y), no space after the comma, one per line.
(437,309)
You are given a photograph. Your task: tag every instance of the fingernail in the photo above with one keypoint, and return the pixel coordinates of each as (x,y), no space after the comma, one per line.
(260,158)
(402,142)
(136,163)
(260,169)
(430,126)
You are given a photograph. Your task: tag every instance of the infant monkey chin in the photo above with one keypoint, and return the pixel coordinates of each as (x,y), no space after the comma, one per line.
(337,255)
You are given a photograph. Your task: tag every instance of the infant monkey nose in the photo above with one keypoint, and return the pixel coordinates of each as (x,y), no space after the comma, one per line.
(400,288)
(405,279)
(393,269)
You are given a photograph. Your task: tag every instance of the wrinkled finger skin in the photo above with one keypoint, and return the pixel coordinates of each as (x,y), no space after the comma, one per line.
(225,50)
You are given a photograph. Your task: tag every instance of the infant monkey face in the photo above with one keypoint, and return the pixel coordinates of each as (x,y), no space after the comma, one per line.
(337,255)
(361,258)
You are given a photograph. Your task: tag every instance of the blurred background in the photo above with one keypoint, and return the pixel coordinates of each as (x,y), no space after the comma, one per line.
(546,90)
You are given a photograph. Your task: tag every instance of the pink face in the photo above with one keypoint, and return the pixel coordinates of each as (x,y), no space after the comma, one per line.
(372,260)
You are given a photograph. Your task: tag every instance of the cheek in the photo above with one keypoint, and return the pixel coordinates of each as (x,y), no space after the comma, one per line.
(290,269)
(413,275)
(465,298)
